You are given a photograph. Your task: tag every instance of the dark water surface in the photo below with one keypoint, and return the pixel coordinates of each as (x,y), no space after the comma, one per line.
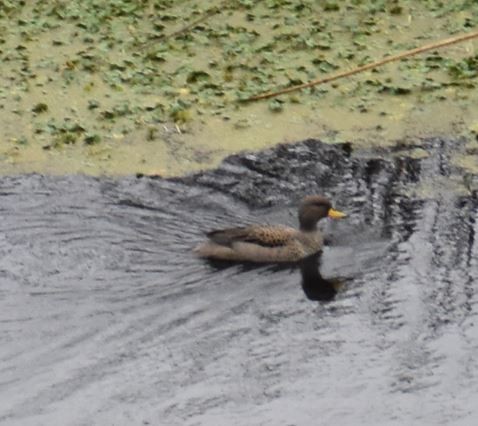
(106,318)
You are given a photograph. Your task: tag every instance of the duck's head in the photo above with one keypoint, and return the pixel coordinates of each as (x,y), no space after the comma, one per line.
(314,208)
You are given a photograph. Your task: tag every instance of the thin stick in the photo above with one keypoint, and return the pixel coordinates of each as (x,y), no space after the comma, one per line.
(376,64)
(206,15)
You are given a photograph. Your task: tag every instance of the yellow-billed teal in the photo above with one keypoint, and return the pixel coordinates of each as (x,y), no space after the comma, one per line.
(272,243)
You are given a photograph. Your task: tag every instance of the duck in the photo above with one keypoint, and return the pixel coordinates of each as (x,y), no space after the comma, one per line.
(272,243)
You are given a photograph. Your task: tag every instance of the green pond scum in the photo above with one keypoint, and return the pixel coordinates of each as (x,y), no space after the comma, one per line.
(152,86)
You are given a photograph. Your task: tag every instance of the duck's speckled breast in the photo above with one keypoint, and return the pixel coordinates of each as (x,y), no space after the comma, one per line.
(312,242)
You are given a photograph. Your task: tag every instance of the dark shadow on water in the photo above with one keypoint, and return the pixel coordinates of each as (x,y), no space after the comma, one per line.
(314,285)
(220,265)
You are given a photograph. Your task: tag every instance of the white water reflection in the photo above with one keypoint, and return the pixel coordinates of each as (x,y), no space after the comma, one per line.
(107,318)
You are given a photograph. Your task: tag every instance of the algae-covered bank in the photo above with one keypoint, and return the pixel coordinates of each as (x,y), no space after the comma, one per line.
(125,86)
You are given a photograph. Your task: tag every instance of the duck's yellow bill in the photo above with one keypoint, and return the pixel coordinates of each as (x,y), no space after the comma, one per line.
(335,214)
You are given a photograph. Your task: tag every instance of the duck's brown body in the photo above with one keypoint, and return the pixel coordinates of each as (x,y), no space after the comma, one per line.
(261,243)
(267,243)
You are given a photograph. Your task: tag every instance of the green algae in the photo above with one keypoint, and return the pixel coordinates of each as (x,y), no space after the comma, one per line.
(119,87)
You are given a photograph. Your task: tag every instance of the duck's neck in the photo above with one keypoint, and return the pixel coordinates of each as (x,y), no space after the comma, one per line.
(306,226)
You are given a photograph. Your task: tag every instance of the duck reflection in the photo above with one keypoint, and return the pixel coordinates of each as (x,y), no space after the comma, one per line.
(314,285)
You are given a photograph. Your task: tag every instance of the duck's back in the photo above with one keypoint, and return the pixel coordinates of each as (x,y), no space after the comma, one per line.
(260,243)
(264,235)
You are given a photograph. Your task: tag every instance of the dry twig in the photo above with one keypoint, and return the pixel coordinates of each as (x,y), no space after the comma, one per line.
(406,54)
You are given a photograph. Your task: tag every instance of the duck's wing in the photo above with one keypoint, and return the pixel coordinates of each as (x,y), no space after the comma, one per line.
(267,236)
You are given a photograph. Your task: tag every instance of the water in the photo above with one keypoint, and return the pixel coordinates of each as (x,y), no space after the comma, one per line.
(107,318)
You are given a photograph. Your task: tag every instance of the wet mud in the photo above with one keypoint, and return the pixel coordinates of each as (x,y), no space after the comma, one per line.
(106,317)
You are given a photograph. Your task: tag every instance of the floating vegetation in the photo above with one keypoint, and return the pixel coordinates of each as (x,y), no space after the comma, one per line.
(124,67)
